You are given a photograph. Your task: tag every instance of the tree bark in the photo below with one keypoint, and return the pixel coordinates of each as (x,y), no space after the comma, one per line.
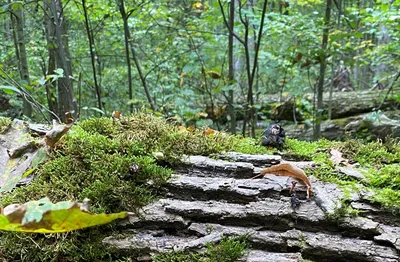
(128,60)
(128,43)
(231,73)
(92,55)
(142,77)
(320,88)
(17,18)
(66,101)
(51,66)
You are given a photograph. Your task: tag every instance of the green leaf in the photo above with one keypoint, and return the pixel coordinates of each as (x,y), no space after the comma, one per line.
(10,90)
(43,216)
(59,71)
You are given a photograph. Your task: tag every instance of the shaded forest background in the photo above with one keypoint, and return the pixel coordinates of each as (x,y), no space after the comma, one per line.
(198,62)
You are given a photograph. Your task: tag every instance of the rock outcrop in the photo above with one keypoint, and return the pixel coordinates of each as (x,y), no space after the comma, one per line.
(209,198)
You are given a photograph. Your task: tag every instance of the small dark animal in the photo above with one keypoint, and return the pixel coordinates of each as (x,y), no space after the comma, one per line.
(274,136)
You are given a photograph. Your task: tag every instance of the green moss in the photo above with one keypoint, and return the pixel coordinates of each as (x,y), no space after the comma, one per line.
(308,150)
(341,212)
(5,122)
(374,153)
(386,177)
(82,245)
(115,174)
(388,199)
(248,145)
(103,125)
(158,135)
(386,184)
(230,249)
(94,166)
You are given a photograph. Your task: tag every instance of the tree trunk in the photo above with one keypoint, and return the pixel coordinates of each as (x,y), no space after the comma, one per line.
(128,42)
(66,101)
(141,76)
(320,88)
(231,73)
(92,55)
(51,66)
(128,60)
(17,20)
(250,99)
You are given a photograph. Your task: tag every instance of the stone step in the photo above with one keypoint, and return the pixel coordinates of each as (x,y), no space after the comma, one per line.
(264,256)
(150,243)
(177,215)
(203,166)
(256,160)
(291,245)
(315,246)
(230,189)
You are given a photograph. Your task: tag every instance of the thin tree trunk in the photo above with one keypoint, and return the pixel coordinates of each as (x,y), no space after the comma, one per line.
(128,41)
(142,77)
(231,73)
(128,61)
(320,88)
(250,99)
(51,47)
(92,55)
(17,18)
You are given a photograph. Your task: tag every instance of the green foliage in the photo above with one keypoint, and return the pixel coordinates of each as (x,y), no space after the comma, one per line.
(230,249)
(4,124)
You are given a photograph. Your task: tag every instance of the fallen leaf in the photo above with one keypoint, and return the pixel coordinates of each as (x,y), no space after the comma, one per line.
(43,216)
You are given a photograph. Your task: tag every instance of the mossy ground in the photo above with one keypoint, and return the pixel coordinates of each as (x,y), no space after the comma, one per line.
(121,165)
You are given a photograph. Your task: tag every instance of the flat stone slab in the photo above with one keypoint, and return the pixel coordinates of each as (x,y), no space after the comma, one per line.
(210,198)
(318,246)
(229,189)
(350,172)
(207,167)
(263,256)
(257,160)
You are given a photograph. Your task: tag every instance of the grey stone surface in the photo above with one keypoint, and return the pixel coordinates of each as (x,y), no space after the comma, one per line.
(208,199)
(263,256)
(207,167)
(350,172)
(257,160)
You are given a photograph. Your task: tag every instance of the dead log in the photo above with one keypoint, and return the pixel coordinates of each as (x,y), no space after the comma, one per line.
(343,104)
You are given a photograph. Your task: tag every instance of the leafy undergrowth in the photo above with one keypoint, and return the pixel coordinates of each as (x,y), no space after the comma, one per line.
(230,249)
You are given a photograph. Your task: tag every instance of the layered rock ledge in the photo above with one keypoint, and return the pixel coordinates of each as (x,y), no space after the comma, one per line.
(210,198)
